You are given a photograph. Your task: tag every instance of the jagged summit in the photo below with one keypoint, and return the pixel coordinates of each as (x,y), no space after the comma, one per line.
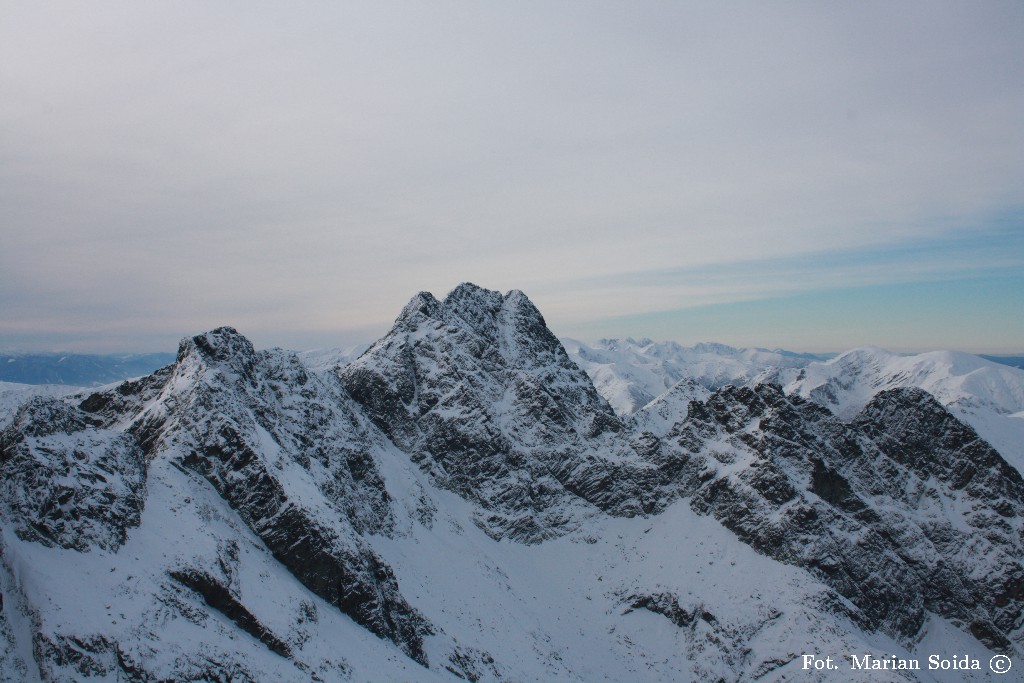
(480,311)
(881,509)
(220,344)
(480,392)
(498,331)
(475,305)
(987,395)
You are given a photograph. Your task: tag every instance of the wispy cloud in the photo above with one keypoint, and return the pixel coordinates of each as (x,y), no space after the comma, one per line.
(166,167)
(981,253)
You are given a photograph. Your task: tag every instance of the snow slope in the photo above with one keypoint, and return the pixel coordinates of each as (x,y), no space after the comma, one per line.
(318,360)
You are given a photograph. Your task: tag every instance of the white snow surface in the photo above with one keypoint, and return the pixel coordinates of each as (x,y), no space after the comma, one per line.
(661,414)
(330,358)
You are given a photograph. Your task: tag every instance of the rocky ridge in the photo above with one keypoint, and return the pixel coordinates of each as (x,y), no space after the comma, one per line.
(903,510)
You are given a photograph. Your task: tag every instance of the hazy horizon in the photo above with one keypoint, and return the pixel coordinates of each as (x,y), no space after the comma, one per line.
(354,343)
(800,176)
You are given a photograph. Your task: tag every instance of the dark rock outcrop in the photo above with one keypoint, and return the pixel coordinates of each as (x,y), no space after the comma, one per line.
(65,482)
(219,597)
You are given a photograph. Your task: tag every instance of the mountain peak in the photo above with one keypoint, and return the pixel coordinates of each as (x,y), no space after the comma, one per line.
(481,312)
(485,400)
(520,304)
(242,514)
(475,306)
(469,290)
(220,344)
(222,348)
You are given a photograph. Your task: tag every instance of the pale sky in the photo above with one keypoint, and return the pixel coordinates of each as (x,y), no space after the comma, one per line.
(806,175)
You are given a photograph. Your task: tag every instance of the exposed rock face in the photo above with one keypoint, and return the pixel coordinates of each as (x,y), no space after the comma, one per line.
(986,395)
(915,430)
(220,597)
(903,510)
(480,393)
(65,482)
(967,503)
(704,634)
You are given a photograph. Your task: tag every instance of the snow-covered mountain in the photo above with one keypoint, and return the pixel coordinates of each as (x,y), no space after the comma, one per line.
(483,397)
(460,503)
(631,373)
(987,395)
(895,509)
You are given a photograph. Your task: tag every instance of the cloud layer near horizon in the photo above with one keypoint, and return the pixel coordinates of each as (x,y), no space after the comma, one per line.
(301,171)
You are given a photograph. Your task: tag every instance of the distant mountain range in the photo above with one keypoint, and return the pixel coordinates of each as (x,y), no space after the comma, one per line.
(76,369)
(92,370)
(1013,361)
(461,501)
(631,373)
